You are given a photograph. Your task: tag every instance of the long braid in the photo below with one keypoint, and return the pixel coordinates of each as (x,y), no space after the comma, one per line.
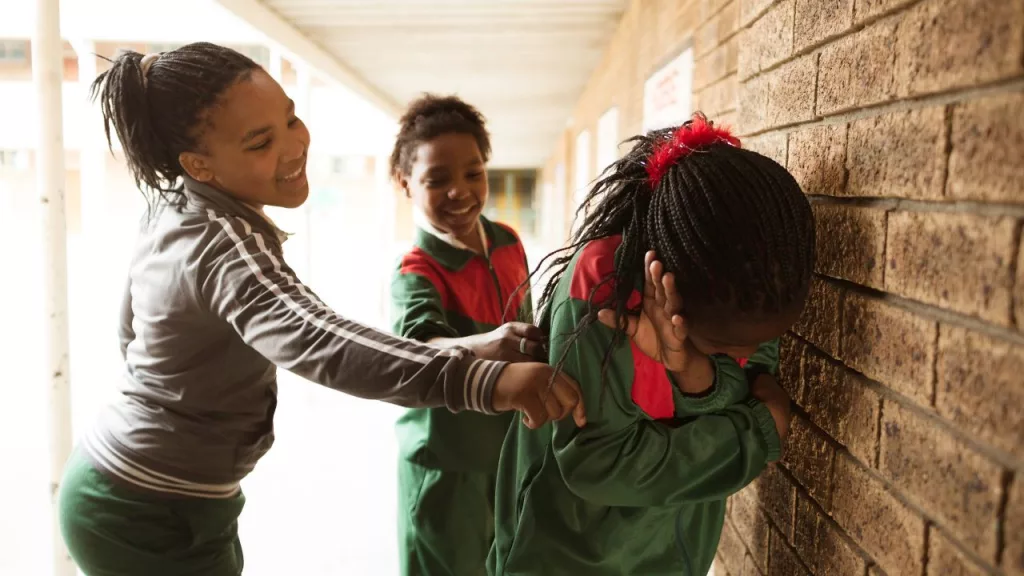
(732,225)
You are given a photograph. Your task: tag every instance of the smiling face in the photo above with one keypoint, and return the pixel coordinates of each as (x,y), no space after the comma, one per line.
(253,147)
(448,182)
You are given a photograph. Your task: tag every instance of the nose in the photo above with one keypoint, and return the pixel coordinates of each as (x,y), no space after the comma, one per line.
(295,150)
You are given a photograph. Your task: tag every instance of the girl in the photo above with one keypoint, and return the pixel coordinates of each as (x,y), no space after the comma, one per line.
(211,308)
(451,289)
(642,489)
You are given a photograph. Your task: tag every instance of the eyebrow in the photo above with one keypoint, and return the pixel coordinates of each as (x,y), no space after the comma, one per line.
(257,132)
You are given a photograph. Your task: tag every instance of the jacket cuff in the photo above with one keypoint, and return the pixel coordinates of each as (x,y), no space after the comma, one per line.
(480,380)
(772,442)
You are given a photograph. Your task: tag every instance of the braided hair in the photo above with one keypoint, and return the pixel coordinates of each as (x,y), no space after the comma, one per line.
(733,226)
(160,110)
(431,116)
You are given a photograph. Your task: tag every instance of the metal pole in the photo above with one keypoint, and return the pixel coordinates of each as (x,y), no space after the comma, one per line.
(48,76)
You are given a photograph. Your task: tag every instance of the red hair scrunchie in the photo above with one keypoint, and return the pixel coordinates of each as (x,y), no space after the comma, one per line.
(689,137)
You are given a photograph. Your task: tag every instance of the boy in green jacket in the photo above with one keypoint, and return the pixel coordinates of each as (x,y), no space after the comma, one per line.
(678,372)
(458,287)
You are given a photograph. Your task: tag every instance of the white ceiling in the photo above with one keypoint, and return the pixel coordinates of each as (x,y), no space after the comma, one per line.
(524,63)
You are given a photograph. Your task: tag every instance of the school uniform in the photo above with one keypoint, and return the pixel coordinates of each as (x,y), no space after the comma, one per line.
(210,310)
(641,488)
(447,461)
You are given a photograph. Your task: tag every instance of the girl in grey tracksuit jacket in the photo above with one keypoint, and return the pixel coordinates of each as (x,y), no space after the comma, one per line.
(211,309)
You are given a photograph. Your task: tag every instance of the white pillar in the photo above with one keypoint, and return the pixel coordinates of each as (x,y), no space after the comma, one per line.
(47,75)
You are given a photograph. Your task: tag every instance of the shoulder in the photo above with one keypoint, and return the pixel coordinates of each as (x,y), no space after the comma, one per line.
(417,262)
(592,266)
(503,234)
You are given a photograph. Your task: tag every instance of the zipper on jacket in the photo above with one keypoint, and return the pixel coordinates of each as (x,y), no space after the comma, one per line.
(497,286)
(687,567)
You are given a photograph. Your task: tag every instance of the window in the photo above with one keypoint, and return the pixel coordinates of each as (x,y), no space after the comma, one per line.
(607,139)
(13,50)
(581,176)
(13,160)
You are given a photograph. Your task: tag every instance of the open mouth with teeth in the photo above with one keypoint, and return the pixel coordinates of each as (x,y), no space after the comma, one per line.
(294,175)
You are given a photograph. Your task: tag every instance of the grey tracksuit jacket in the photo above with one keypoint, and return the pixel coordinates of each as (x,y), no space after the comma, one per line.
(210,310)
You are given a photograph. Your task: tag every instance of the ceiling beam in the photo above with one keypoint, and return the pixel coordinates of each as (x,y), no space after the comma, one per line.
(291,40)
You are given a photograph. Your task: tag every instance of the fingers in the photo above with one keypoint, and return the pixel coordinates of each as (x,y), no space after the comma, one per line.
(656,269)
(649,259)
(570,398)
(673,303)
(524,330)
(535,412)
(679,329)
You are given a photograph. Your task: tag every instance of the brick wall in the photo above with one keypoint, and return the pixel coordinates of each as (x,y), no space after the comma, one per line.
(904,122)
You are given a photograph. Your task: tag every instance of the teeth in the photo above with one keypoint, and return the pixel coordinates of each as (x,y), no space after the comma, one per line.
(462,211)
(293,175)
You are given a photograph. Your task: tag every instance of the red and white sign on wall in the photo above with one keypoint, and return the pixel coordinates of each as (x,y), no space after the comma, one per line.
(668,93)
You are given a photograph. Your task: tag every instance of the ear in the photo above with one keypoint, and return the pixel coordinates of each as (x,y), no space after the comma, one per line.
(196,166)
(403,183)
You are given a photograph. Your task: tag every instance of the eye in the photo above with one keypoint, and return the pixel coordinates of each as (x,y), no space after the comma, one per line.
(475,175)
(434,183)
(260,146)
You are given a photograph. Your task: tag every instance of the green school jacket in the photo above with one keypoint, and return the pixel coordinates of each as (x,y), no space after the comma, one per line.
(641,489)
(440,290)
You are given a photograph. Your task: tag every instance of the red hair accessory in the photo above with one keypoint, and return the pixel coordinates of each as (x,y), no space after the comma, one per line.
(689,137)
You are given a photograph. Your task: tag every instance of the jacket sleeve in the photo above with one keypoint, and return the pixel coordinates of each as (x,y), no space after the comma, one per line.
(417,307)
(623,458)
(732,384)
(244,281)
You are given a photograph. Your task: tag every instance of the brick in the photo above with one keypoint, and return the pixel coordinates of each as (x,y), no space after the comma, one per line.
(1018,289)
(791,92)
(857,71)
(987,140)
(879,523)
(978,387)
(820,324)
(732,54)
(710,68)
(751,9)
(753,105)
(717,29)
(750,567)
(864,9)
(808,457)
(821,545)
(944,559)
(784,561)
(817,159)
(770,145)
(720,97)
(945,44)
(890,345)
(750,525)
(719,568)
(791,352)
(1013,528)
(901,154)
(731,549)
(842,405)
(777,495)
(816,20)
(957,485)
(962,262)
(768,41)
(851,243)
